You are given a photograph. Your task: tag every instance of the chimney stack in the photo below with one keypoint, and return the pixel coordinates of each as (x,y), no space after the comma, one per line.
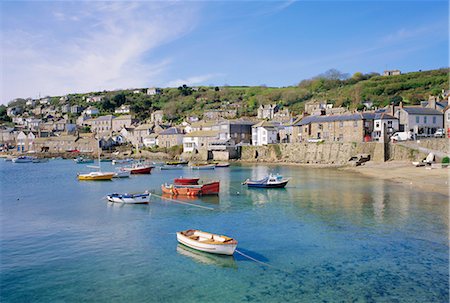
(432,102)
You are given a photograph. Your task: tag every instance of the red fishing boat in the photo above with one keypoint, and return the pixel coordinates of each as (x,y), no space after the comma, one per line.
(186,181)
(139,169)
(211,188)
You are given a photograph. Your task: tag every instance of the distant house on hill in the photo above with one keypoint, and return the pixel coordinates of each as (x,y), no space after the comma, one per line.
(267,111)
(123,109)
(153,91)
(394,72)
(92,99)
(157,116)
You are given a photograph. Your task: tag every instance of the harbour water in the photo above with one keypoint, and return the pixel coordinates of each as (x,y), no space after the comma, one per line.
(329,236)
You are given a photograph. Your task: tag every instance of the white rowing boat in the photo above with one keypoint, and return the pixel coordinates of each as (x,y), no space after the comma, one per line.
(207,242)
(141,198)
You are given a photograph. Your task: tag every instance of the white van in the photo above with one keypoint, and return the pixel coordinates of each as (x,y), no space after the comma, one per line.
(401,136)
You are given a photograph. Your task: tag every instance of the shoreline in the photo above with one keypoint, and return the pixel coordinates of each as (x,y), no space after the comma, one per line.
(404,173)
(400,172)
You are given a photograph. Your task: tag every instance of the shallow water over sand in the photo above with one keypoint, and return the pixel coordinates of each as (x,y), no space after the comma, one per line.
(329,236)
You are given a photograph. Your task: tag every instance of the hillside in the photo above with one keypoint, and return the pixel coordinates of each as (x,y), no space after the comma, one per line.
(332,86)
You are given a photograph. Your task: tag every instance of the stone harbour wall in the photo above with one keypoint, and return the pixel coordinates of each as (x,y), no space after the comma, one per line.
(335,153)
(312,153)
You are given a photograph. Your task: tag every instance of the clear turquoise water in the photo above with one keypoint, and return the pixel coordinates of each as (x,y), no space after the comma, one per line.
(330,236)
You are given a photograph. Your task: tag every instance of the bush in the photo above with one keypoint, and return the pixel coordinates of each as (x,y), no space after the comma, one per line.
(446,160)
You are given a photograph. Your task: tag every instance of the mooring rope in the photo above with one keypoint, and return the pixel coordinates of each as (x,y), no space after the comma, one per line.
(181,202)
(261,262)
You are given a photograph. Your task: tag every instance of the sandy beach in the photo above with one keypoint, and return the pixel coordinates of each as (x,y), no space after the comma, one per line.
(430,180)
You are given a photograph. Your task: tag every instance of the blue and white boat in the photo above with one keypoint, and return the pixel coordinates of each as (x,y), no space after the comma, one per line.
(82,160)
(271,181)
(138,198)
(23,159)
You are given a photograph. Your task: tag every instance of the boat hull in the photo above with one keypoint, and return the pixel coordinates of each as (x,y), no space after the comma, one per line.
(203,167)
(205,244)
(183,191)
(122,174)
(95,177)
(186,181)
(211,188)
(139,170)
(271,185)
(129,199)
(172,167)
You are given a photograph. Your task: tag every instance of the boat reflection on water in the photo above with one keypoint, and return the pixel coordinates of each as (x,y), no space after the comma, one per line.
(207,258)
(205,199)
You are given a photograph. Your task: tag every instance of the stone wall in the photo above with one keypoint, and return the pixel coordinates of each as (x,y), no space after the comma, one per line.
(308,153)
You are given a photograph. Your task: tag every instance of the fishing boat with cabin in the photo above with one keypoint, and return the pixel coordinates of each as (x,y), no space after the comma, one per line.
(271,181)
(207,242)
(139,168)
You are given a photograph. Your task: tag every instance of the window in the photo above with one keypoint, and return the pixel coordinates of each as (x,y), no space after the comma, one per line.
(330,124)
(377,125)
(425,119)
(434,120)
(341,124)
(390,123)
(417,119)
(448,116)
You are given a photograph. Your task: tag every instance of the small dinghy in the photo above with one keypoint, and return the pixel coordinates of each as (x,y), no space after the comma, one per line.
(271,181)
(223,165)
(207,242)
(203,166)
(172,167)
(139,198)
(122,174)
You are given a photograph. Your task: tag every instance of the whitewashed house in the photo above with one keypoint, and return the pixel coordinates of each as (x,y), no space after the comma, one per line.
(123,109)
(199,139)
(264,133)
(150,140)
(384,123)
(91,110)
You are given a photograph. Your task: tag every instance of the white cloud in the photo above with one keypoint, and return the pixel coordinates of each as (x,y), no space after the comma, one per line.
(194,80)
(109,48)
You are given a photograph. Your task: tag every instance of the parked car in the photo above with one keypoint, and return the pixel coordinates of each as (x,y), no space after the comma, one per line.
(440,133)
(401,136)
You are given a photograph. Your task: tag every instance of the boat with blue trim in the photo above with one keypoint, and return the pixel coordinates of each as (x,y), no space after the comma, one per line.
(271,181)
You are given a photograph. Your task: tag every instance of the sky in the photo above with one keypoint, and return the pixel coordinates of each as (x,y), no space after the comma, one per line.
(60,47)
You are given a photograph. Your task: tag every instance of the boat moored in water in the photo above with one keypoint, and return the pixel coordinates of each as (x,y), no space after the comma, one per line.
(223,164)
(23,159)
(96,176)
(122,174)
(207,242)
(177,163)
(139,169)
(186,181)
(271,181)
(136,198)
(210,188)
(203,166)
(82,160)
(172,167)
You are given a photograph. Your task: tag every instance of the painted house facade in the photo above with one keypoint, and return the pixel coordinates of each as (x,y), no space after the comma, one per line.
(264,133)
(195,140)
(170,137)
(421,121)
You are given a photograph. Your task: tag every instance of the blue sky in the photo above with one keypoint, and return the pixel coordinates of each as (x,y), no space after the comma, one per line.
(60,47)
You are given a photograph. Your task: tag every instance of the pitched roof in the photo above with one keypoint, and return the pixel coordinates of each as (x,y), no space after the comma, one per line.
(332,118)
(105,118)
(145,126)
(172,131)
(265,124)
(203,133)
(123,117)
(418,110)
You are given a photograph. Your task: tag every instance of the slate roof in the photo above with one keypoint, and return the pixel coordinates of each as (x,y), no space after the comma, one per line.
(171,131)
(421,111)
